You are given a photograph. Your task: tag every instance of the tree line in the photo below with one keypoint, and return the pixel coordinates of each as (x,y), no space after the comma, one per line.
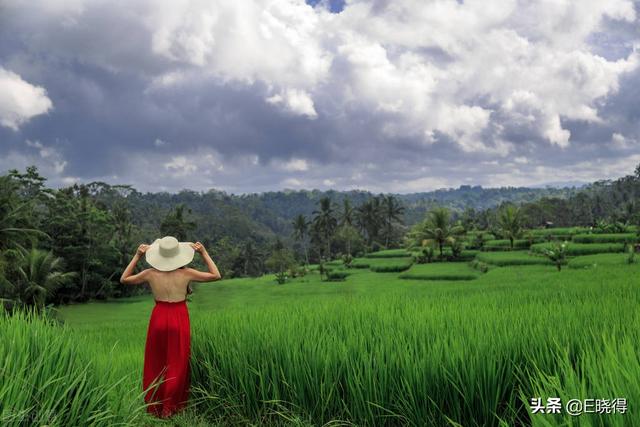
(70,244)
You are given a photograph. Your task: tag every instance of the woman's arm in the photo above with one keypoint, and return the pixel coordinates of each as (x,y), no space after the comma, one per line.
(201,276)
(127,278)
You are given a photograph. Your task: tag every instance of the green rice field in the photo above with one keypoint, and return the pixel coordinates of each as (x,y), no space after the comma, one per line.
(451,347)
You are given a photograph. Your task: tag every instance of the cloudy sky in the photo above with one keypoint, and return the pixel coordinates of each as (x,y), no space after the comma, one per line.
(384,95)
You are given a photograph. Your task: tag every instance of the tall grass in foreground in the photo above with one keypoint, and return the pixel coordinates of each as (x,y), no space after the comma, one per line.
(48,377)
(467,357)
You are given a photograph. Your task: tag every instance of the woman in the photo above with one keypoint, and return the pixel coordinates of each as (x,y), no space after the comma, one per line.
(166,375)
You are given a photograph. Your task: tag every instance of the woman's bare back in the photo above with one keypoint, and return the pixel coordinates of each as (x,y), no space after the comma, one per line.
(169,285)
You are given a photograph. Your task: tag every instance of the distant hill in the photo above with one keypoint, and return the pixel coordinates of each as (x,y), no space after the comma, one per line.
(265,215)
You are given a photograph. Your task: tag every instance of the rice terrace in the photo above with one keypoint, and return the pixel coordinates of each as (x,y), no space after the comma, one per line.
(461,323)
(320,213)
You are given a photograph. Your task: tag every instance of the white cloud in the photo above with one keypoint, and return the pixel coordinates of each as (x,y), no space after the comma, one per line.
(159,142)
(180,166)
(521,160)
(622,142)
(295,101)
(293,165)
(20,100)
(51,158)
(293,182)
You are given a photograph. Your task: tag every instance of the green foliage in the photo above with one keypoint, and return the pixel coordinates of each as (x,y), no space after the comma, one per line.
(301,231)
(49,378)
(479,240)
(510,222)
(437,228)
(324,225)
(557,253)
(457,246)
(479,265)
(297,271)
(392,212)
(425,254)
(604,227)
(280,261)
(176,224)
(348,239)
(39,274)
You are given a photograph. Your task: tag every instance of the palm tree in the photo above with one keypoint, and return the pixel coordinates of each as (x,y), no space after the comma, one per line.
(12,214)
(39,275)
(325,223)
(346,219)
(369,218)
(251,258)
(175,224)
(437,227)
(300,231)
(510,223)
(346,215)
(392,210)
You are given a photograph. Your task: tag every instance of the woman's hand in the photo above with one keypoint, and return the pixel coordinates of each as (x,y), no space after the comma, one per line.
(142,249)
(198,247)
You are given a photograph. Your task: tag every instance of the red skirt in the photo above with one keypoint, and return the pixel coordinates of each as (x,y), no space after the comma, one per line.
(166,376)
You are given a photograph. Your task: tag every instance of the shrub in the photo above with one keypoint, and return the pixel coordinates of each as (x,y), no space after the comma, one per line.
(347,259)
(479,265)
(557,253)
(631,257)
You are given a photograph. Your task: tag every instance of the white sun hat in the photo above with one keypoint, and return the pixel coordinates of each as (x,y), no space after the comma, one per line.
(168,254)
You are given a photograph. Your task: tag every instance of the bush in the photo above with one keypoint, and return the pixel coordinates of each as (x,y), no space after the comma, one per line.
(557,253)
(297,271)
(479,265)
